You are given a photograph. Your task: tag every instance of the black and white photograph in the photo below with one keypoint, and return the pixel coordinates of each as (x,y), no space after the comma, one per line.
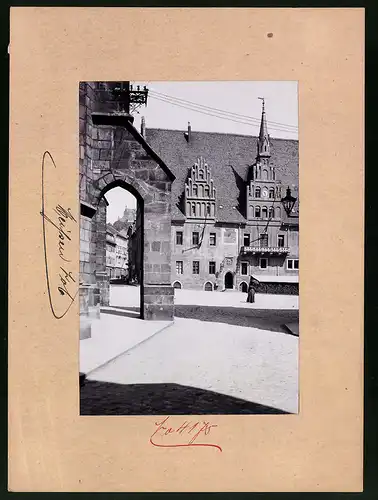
(189,247)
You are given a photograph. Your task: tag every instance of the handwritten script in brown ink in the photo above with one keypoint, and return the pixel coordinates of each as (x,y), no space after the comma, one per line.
(57,224)
(185,434)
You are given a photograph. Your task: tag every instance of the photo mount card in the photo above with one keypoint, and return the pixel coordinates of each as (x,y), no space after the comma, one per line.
(73,143)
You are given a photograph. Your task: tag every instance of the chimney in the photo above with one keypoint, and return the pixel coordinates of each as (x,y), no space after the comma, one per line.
(188,134)
(143,127)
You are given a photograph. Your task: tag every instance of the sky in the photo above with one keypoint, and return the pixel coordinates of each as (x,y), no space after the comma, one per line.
(171,105)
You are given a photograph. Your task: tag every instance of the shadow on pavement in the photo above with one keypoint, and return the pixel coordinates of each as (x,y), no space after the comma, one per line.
(105,398)
(265,319)
(274,320)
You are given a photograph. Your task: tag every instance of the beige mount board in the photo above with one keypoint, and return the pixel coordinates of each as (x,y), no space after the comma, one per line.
(52,448)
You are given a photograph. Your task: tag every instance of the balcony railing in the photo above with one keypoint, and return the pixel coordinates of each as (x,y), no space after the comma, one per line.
(265,249)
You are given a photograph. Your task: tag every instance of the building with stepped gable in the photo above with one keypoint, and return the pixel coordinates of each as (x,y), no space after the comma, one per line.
(228,218)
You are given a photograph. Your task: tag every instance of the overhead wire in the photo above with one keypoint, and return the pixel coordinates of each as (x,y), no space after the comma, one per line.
(218,116)
(216,112)
(161,94)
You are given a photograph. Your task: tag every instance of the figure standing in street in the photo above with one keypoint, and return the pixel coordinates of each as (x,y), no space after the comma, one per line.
(253,282)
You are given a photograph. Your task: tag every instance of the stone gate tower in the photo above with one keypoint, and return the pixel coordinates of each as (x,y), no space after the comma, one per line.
(113,153)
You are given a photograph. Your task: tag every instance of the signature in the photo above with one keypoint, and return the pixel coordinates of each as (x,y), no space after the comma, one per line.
(186,434)
(61,284)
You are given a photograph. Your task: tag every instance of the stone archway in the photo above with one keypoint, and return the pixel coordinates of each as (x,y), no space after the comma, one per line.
(229,280)
(114,154)
(135,245)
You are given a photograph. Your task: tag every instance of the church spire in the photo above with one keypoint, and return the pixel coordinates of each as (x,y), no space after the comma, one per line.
(263,145)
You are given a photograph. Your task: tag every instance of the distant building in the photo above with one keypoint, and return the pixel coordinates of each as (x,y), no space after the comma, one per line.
(128,218)
(116,253)
(228,219)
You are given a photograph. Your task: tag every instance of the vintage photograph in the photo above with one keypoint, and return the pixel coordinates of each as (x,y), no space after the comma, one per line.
(189,247)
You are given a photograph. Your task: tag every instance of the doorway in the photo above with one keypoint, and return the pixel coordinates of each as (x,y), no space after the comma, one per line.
(229,280)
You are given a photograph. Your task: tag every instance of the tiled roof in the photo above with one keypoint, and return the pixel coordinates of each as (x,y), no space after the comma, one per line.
(110,229)
(229,157)
(115,232)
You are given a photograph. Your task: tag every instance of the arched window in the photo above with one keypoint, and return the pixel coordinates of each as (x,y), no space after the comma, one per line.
(271,212)
(278,212)
(264,212)
(265,174)
(177,285)
(195,190)
(207,191)
(257,192)
(201,174)
(194,209)
(243,287)
(258,212)
(208,286)
(271,193)
(201,191)
(251,211)
(198,209)
(208,209)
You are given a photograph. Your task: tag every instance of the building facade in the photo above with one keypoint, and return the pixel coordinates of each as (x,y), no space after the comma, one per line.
(117,255)
(229,221)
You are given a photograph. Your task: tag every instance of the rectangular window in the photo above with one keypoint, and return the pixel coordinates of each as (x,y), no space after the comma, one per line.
(247,239)
(195,238)
(281,240)
(244,268)
(292,264)
(264,240)
(179,267)
(196,267)
(211,267)
(178,237)
(263,263)
(213,239)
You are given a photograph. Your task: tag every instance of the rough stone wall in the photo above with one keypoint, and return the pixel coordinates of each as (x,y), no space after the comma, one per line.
(99,258)
(87,250)
(89,292)
(118,156)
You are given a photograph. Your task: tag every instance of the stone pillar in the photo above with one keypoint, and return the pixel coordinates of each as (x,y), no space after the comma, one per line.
(89,309)
(102,278)
(103,285)
(158,302)
(157,290)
